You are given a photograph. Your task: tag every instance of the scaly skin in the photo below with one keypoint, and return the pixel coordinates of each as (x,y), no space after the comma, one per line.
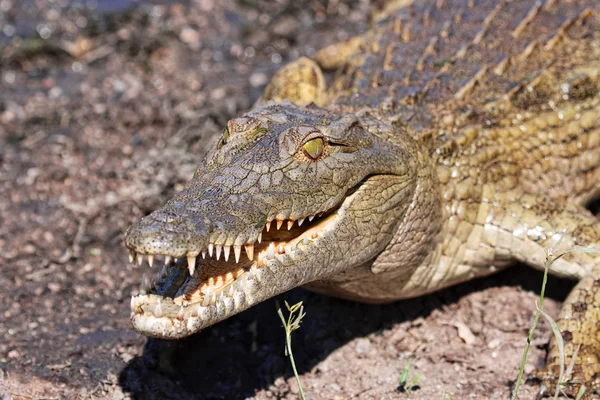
(455,138)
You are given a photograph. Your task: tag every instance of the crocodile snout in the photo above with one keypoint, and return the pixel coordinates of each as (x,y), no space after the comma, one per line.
(164,232)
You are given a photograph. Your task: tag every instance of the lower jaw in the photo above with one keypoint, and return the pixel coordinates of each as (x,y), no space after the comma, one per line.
(158,316)
(179,305)
(165,317)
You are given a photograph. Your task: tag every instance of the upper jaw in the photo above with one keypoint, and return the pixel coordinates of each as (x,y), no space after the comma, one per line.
(180,304)
(193,236)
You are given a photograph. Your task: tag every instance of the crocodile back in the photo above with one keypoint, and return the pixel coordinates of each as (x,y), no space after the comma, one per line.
(464,56)
(507,90)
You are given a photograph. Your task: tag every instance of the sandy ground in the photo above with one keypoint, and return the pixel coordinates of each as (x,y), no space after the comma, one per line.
(104,114)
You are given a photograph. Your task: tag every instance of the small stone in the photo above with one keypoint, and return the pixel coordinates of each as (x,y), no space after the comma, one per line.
(285,26)
(8,116)
(14,354)
(218,93)
(465,333)
(279,382)
(124,34)
(55,93)
(363,346)
(258,79)
(529,368)
(190,36)
(54,287)
(335,387)
(126,357)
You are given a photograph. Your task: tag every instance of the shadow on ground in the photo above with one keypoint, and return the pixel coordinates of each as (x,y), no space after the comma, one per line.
(244,354)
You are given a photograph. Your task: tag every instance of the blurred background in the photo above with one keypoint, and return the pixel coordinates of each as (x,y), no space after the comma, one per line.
(106,108)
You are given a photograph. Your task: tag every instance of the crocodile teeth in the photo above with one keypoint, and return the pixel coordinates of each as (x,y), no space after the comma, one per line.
(271,250)
(237,250)
(158,309)
(194,313)
(226,250)
(168,260)
(311,218)
(268,226)
(210,249)
(145,285)
(300,221)
(259,237)
(150,260)
(250,251)
(191,264)
(131,256)
(279,223)
(206,300)
(140,259)
(281,249)
(218,248)
(290,224)
(203,254)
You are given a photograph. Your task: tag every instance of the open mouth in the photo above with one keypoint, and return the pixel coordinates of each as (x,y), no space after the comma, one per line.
(221,280)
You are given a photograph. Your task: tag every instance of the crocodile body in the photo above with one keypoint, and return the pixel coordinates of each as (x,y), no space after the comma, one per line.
(451,140)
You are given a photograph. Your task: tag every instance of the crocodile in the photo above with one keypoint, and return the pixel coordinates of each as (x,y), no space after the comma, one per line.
(452,139)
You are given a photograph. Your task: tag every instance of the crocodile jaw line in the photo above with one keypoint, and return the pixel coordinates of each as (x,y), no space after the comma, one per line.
(213,299)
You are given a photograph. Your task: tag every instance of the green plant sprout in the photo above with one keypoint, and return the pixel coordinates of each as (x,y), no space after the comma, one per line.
(408,382)
(290,325)
(551,257)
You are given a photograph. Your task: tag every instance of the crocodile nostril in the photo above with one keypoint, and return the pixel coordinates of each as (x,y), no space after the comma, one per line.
(164,216)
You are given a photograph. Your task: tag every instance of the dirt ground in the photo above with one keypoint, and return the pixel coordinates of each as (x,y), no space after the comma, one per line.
(105,110)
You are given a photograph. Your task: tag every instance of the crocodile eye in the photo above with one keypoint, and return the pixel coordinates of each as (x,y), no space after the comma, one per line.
(225,135)
(314,148)
(224,138)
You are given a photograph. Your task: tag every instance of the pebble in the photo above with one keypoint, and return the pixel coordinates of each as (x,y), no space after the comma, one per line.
(190,37)
(465,333)
(258,79)
(529,368)
(335,387)
(55,93)
(218,93)
(363,346)
(54,287)
(14,354)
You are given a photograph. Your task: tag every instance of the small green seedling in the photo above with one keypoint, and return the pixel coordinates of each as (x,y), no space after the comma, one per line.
(551,257)
(292,323)
(407,382)
(447,393)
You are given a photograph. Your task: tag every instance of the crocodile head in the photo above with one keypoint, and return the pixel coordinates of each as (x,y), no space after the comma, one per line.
(300,194)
